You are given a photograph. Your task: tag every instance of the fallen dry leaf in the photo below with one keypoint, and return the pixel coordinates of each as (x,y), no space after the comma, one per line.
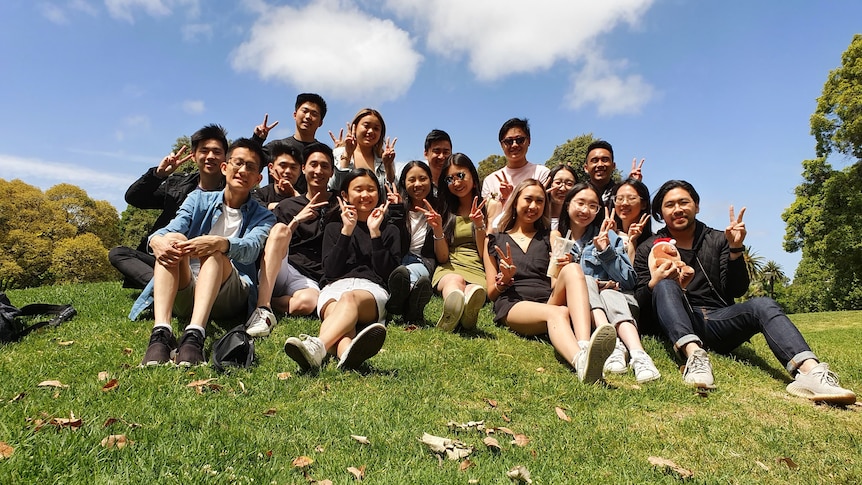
(358,473)
(110,385)
(116,440)
(473,480)
(319,449)
(65,343)
(491,443)
(128,351)
(520,440)
(540,369)
(670,466)
(283,376)
(477,425)
(519,474)
(6,450)
(51,384)
(411,327)
(241,386)
(270,412)
(505,418)
(789,462)
(301,461)
(562,414)
(200,382)
(506,430)
(109,422)
(491,402)
(761,465)
(103,376)
(361,439)
(454,449)
(465,465)
(18,397)
(323,482)
(71,422)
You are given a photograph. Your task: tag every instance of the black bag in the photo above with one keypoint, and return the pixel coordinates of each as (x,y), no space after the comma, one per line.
(234,349)
(13,329)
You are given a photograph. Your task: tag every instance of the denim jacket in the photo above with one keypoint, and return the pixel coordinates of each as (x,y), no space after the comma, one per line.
(611,264)
(196,217)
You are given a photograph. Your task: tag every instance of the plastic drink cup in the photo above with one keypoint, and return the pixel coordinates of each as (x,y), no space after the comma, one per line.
(560,246)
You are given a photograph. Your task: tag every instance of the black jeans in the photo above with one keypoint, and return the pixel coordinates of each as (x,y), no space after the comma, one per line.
(136,266)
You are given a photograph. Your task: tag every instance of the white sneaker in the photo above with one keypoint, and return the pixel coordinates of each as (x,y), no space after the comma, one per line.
(260,322)
(821,385)
(616,363)
(306,351)
(474,300)
(453,308)
(590,361)
(698,370)
(645,369)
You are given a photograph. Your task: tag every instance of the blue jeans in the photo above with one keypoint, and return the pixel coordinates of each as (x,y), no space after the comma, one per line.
(415,267)
(724,329)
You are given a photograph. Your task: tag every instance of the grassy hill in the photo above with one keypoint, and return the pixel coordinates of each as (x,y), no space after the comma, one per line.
(250,426)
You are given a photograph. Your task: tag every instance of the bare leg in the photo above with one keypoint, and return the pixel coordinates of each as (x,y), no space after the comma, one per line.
(571,291)
(302,302)
(215,270)
(166,282)
(450,283)
(531,318)
(273,254)
(341,317)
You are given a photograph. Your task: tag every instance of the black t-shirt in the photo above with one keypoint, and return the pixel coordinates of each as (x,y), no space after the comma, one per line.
(306,244)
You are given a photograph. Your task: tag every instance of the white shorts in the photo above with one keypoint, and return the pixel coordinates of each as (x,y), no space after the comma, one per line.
(290,280)
(333,291)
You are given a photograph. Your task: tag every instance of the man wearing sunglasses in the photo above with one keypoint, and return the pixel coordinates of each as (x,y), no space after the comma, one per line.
(514,139)
(205,259)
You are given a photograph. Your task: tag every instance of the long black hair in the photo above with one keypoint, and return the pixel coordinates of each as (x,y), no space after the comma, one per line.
(643,193)
(448,201)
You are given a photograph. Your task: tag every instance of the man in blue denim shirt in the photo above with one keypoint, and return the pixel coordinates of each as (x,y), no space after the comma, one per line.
(205,258)
(704,315)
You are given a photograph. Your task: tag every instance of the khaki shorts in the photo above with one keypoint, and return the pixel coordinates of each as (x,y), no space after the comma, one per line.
(232,298)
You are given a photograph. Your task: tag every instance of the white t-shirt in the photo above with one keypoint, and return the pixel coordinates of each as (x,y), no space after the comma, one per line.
(419,229)
(515,176)
(228,224)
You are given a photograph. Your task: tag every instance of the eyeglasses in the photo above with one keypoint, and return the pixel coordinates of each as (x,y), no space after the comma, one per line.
(581,205)
(520,140)
(239,163)
(622,199)
(563,183)
(682,203)
(450,179)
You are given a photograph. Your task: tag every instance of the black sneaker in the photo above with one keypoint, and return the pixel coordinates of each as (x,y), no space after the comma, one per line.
(162,343)
(419,297)
(191,349)
(399,289)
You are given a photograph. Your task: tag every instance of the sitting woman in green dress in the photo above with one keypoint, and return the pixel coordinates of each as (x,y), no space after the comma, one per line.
(461,279)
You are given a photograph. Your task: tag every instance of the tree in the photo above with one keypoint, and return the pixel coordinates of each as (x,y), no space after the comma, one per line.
(85,214)
(572,153)
(489,165)
(81,259)
(135,224)
(770,274)
(837,122)
(753,263)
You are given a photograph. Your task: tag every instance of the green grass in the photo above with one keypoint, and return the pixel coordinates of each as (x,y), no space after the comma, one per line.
(422,380)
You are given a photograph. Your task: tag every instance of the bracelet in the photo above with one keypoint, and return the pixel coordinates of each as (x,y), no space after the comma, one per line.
(438,238)
(484,226)
(737,250)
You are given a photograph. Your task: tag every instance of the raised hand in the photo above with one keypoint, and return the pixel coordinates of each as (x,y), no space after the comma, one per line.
(375,219)
(309,212)
(637,228)
(432,217)
(170,163)
(348,217)
(389,150)
(285,187)
(636,169)
(602,241)
(735,232)
(262,130)
(506,187)
(506,268)
(392,194)
(476,214)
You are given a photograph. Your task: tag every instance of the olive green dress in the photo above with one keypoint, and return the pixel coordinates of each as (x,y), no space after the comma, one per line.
(464,257)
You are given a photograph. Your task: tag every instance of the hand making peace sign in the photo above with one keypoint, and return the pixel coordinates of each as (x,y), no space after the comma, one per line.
(375,219)
(170,163)
(506,268)
(637,228)
(392,194)
(636,169)
(348,217)
(735,232)
(476,214)
(432,217)
(602,241)
(262,130)
(506,187)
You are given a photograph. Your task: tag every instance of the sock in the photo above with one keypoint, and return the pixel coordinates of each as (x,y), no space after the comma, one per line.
(166,326)
(200,329)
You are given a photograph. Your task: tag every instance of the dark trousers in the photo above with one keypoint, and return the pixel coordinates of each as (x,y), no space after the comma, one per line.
(136,266)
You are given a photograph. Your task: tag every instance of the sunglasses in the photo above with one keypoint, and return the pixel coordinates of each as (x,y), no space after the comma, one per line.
(520,140)
(450,179)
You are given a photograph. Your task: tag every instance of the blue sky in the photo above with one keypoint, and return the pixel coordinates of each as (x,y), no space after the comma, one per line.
(717,93)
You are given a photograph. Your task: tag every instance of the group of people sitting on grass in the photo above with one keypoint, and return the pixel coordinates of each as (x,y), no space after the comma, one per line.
(339,234)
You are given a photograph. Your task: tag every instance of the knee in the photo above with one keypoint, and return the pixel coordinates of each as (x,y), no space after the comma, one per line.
(305,305)
(116,253)
(572,270)
(667,287)
(766,308)
(279,231)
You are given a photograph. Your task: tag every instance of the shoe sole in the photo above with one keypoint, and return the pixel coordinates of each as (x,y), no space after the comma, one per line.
(255,333)
(293,349)
(453,307)
(602,343)
(399,290)
(418,300)
(366,345)
(842,399)
(472,307)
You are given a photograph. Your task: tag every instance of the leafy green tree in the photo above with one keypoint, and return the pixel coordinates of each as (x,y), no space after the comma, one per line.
(85,214)
(837,122)
(572,153)
(135,224)
(753,263)
(81,259)
(770,274)
(489,165)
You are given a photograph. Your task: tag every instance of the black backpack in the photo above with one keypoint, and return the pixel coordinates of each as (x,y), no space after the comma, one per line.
(234,349)
(13,329)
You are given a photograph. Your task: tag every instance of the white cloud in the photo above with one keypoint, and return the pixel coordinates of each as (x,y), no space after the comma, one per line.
(53,13)
(195,32)
(125,9)
(84,6)
(193,106)
(330,46)
(599,83)
(132,124)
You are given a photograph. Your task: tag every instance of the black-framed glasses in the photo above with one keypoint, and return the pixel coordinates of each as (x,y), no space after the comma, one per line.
(520,140)
(239,163)
(450,179)
(563,183)
(622,199)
